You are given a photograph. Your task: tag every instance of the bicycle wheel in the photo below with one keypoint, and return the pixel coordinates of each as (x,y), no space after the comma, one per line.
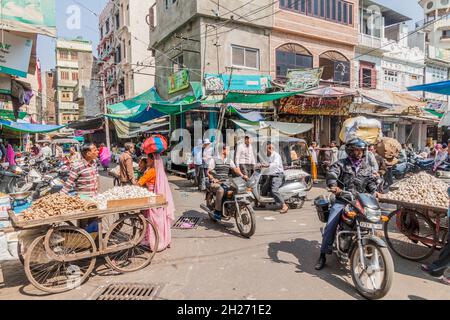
(48,271)
(411,235)
(127,237)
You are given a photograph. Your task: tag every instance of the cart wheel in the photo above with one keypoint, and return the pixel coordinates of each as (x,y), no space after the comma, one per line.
(50,275)
(411,235)
(130,230)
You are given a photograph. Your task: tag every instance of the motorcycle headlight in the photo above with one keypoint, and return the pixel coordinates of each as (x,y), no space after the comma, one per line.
(373,215)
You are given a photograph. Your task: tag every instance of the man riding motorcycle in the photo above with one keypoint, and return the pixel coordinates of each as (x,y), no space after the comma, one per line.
(218,174)
(355,175)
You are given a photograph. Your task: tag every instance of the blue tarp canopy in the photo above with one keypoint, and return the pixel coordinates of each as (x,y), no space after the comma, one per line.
(437,87)
(29,127)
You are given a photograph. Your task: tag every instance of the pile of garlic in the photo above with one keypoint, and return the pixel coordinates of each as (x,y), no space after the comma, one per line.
(421,188)
(122,193)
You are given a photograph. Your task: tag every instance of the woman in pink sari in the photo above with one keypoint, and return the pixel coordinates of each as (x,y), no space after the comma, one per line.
(11,155)
(105,156)
(162,218)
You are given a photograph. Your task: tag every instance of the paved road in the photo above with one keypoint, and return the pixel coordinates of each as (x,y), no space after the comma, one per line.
(213,262)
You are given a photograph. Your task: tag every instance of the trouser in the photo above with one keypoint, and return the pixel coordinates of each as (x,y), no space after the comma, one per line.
(220,192)
(247,169)
(199,176)
(437,268)
(330,229)
(276,183)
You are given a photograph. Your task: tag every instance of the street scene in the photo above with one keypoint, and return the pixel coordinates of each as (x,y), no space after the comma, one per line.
(225,150)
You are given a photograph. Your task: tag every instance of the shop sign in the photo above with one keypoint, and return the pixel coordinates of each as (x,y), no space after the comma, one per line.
(32,16)
(15,53)
(316,106)
(239,83)
(303,79)
(178,81)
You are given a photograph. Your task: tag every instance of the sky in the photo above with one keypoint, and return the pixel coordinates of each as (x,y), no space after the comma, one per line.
(89,23)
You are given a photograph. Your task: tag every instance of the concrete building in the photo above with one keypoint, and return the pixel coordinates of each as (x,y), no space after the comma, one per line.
(125,62)
(437,28)
(50,97)
(205,37)
(70,55)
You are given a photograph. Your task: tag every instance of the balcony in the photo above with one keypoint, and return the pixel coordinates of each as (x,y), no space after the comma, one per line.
(438,54)
(73,64)
(69,106)
(371,42)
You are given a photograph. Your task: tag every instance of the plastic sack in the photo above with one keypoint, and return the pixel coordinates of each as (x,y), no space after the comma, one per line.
(155,144)
(367,129)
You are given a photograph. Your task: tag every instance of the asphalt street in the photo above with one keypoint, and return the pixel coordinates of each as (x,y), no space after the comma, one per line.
(214,262)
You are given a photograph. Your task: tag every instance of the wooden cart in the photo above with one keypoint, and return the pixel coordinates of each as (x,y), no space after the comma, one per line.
(61,256)
(416,231)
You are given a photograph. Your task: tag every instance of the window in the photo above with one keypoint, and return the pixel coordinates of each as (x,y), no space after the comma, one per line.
(64,75)
(151,18)
(118,54)
(75,76)
(117,21)
(339,11)
(336,67)
(64,55)
(445,34)
(430,5)
(74,55)
(245,57)
(391,76)
(107,26)
(178,63)
(292,56)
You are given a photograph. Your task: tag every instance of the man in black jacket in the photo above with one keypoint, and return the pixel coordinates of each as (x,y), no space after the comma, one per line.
(352,174)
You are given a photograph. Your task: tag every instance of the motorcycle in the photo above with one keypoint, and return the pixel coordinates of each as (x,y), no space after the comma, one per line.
(13,180)
(294,190)
(371,264)
(235,204)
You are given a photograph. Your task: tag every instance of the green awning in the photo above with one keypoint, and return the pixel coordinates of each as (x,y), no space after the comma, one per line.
(238,97)
(9,115)
(29,127)
(149,106)
(435,113)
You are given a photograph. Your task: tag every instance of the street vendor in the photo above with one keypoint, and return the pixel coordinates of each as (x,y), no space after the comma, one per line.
(83,177)
(148,179)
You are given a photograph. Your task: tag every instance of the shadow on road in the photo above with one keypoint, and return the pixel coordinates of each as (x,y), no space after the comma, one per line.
(184,186)
(301,249)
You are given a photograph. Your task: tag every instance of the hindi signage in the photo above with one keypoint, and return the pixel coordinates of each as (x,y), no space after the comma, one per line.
(300,105)
(178,81)
(303,79)
(15,54)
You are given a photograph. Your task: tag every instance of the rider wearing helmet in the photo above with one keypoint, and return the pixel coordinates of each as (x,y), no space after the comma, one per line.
(352,174)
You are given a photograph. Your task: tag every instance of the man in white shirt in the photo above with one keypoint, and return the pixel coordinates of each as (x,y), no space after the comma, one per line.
(245,157)
(198,162)
(275,170)
(46,151)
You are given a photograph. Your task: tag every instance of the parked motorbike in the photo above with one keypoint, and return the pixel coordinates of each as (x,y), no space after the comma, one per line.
(294,190)
(236,204)
(371,264)
(13,180)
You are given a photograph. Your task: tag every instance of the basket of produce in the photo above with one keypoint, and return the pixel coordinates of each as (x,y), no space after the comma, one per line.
(128,196)
(421,191)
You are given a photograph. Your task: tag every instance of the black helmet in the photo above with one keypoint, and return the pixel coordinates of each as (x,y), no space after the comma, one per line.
(355,143)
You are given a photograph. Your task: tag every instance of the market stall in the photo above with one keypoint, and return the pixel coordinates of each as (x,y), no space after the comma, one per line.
(61,236)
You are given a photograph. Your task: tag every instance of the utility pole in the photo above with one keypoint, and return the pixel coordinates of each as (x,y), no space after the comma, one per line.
(105,110)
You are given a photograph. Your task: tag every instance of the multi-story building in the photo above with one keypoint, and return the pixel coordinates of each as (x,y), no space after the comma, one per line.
(69,55)
(125,63)
(50,97)
(437,28)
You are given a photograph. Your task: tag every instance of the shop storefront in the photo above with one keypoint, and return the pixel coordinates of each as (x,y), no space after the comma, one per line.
(326,113)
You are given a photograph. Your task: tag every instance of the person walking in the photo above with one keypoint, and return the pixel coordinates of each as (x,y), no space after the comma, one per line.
(245,157)
(313,152)
(198,161)
(126,166)
(105,157)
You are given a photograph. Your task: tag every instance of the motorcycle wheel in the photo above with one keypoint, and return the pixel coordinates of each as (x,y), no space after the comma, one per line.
(246,221)
(369,289)
(297,204)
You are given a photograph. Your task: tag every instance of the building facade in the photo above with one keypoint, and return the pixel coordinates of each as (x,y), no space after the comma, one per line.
(70,55)
(50,92)
(125,63)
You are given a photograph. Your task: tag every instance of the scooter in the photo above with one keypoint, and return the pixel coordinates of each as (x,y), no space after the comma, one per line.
(294,190)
